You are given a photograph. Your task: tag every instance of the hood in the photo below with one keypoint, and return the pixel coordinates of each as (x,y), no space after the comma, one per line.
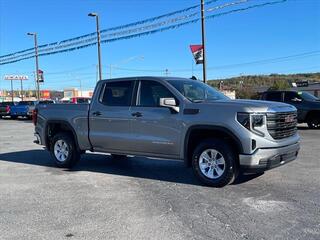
(254,105)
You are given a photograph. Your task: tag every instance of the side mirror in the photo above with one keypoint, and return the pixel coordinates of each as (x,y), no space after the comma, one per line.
(296,99)
(169,103)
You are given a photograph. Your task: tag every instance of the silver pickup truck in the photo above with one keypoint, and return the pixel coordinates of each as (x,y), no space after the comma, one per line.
(172,118)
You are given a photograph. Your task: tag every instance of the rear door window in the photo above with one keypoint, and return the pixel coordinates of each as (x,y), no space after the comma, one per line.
(117,93)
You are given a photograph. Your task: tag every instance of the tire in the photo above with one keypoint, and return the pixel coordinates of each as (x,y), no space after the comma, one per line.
(219,171)
(314,121)
(64,151)
(13,117)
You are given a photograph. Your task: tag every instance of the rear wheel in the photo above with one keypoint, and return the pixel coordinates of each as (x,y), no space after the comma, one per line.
(314,121)
(214,163)
(63,150)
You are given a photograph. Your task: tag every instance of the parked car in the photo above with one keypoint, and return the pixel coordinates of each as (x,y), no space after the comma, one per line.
(23,109)
(172,118)
(80,100)
(307,104)
(5,108)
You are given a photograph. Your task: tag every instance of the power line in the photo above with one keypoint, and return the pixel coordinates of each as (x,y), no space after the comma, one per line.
(115,28)
(263,61)
(83,43)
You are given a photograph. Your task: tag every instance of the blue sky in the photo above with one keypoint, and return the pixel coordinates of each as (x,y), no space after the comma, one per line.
(257,34)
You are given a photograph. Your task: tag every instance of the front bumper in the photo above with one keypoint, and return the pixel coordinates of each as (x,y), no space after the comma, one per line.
(267,158)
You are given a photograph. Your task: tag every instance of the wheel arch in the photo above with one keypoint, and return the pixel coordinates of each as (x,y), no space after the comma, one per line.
(53,127)
(312,113)
(208,131)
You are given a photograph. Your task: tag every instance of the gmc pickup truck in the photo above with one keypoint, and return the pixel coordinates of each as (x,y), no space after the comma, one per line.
(172,118)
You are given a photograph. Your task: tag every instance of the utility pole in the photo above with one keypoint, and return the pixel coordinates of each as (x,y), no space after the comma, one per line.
(37,63)
(12,98)
(192,68)
(98,41)
(80,87)
(21,89)
(97,73)
(203,42)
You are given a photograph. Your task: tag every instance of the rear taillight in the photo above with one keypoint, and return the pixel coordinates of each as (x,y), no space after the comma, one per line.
(35,116)
(8,109)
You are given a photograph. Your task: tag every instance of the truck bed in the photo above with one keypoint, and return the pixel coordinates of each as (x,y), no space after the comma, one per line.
(75,115)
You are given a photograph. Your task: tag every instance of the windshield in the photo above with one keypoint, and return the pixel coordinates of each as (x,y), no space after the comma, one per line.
(197,91)
(46,102)
(308,96)
(4,104)
(26,103)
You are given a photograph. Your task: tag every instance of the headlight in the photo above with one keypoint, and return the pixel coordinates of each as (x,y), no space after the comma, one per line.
(257,120)
(244,119)
(252,121)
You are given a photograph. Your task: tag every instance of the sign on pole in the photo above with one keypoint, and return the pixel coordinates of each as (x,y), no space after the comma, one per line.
(40,76)
(16,77)
(197,51)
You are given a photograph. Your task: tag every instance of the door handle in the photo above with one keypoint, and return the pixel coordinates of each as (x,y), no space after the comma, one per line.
(97,113)
(136,114)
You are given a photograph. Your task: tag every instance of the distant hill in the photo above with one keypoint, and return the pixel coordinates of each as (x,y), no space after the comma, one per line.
(248,86)
(265,80)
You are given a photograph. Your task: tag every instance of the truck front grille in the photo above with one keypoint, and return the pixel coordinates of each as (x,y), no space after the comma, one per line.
(282,125)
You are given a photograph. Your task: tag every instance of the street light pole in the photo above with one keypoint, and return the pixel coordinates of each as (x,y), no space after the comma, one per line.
(37,62)
(203,42)
(12,97)
(98,41)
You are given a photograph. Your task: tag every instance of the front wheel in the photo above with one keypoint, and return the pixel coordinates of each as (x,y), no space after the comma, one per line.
(63,150)
(214,163)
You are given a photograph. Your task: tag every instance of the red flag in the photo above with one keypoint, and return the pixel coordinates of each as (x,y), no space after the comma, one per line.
(40,76)
(197,51)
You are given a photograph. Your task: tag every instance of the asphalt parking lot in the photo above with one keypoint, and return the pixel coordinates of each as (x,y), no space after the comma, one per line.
(137,198)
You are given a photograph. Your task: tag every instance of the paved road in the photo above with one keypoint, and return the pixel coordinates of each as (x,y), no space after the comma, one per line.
(150,199)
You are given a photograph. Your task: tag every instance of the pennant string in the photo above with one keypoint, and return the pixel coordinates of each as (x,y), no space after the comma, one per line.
(91,39)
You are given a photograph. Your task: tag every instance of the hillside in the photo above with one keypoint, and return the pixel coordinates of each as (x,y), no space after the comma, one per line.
(266,80)
(247,86)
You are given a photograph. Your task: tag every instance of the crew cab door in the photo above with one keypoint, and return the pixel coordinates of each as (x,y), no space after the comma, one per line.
(109,117)
(156,129)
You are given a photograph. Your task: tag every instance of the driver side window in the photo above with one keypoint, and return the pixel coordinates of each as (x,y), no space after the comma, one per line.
(151,92)
(289,96)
